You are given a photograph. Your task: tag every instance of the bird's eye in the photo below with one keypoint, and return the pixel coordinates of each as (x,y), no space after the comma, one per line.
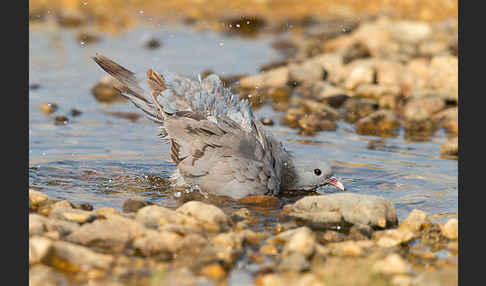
(317,172)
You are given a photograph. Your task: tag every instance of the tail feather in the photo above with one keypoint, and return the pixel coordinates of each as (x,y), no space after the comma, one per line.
(131,90)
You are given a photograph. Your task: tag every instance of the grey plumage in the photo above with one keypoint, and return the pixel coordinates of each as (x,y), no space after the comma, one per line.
(215,140)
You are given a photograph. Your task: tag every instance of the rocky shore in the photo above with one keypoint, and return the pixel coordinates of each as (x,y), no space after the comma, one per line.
(337,239)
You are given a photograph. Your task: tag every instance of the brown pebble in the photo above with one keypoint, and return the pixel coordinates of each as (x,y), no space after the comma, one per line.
(74,112)
(266,121)
(48,108)
(152,44)
(60,120)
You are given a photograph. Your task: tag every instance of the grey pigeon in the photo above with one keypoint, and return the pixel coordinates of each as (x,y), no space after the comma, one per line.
(216,142)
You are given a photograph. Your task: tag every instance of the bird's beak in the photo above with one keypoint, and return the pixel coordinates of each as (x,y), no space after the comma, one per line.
(334,181)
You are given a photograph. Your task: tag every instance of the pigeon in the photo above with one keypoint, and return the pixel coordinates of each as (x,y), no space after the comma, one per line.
(215,140)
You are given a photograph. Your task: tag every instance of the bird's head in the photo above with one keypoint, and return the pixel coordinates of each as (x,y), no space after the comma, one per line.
(311,173)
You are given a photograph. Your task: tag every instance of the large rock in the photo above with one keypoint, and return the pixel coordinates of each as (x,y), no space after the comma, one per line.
(211,216)
(343,209)
(70,257)
(158,243)
(41,275)
(39,225)
(112,234)
(72,215)
(157,217)
(38,249)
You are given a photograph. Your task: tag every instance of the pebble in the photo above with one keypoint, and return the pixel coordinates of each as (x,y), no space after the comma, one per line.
(158,243)
(392,264)
(134,204)
(157,217)
(323,211)
(451,229)
(48,108)
(422,108)
(38,249)
(359,75)
(104,90)
(210,214)
(451,147)
(356,108)
(213,271)
(72,215)
(393,237)
(42,275)
(70,257)
(305,72)
(112,234)
(380,123)
(302,241)
(415,221)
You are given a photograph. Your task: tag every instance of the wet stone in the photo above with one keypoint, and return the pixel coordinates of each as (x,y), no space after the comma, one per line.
(61,120)
(42,275)
(380,123)
(376,91)
(302,241)
(357,108)
(111,234)
(75,112)
(310,124)
(88,37)
(152,43)
(163,244)
(39,225)
(209,214)
(293,262)
(266,121)
(104,90)
(451,229)
(305,72)
(415,221)
(157,217)
(134,204)
(448,119)
(451,147)
(72,215)
(48,108)
(38,249)
(69,257)
(392,264)
(393,237)
(343,210)
(213,271)
(422,108)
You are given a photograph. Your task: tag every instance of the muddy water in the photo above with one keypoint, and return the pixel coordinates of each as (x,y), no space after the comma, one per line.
(102,160)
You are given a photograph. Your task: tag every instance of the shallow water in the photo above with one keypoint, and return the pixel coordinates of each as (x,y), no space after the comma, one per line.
(102,160)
